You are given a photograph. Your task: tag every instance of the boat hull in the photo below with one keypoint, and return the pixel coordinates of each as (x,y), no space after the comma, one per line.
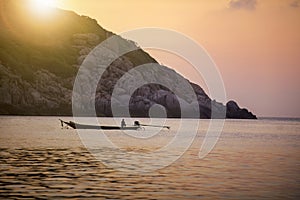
(85,126)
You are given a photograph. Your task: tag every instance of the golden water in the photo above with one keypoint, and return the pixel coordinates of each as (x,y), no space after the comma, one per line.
(252,160)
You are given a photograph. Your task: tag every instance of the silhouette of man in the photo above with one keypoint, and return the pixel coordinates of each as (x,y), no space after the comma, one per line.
(123,124)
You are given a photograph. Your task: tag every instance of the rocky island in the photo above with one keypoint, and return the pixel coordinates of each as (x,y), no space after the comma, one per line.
(37,75)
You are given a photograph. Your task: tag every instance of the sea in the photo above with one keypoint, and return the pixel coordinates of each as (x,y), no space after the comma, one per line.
(247,159)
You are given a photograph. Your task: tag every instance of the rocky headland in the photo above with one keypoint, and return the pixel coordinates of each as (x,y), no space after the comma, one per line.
(37,75)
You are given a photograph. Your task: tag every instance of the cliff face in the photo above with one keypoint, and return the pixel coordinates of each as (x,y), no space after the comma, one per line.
(37,75)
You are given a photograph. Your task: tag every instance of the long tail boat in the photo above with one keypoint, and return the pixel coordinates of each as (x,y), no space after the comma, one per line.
(85,126)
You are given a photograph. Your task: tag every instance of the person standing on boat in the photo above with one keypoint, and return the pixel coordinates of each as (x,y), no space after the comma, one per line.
(123,124)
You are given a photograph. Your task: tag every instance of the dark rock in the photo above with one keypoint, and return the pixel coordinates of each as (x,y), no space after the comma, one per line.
(235,112)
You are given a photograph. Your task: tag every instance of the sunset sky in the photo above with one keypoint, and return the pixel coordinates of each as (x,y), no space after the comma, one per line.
(255,43)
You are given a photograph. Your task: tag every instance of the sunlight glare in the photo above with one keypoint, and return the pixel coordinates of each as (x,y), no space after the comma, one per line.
(43,7)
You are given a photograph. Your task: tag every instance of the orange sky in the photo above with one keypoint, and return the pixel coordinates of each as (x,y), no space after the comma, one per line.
(255,43)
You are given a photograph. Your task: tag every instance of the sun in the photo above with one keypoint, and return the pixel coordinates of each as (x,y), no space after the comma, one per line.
(42,7)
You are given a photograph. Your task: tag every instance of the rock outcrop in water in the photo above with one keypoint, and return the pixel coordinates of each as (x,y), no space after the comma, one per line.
(235,112)
(37,76)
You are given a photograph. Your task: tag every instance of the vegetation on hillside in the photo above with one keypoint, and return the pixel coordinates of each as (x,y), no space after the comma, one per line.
(29,43)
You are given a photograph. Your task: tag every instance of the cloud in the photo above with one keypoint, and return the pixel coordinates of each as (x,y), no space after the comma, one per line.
(243,4)
(295,4)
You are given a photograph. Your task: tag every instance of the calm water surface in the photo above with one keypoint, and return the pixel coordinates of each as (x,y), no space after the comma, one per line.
(252,160)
